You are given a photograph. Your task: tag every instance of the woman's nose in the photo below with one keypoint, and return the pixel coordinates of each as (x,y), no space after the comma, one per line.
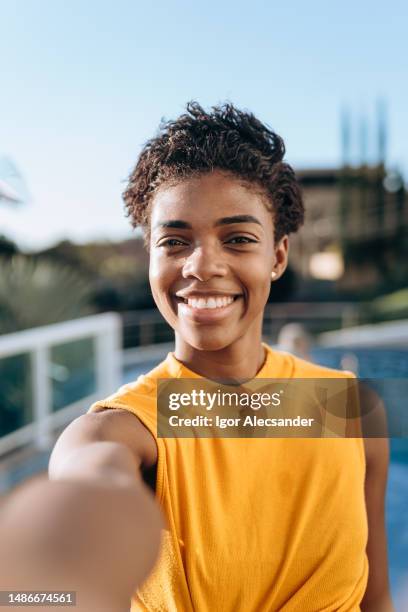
(204,263)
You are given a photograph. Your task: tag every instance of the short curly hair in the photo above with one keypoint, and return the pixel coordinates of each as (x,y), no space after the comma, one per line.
(225,139)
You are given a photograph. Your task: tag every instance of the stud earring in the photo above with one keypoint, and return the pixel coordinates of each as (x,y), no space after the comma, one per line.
(274,275)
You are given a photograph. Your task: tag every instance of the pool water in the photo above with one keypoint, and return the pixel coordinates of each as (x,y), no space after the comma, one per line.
(371,363)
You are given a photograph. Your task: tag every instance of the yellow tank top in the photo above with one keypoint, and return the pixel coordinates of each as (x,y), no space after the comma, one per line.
(254,525)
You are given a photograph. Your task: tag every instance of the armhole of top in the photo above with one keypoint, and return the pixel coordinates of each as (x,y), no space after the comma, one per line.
(161,455)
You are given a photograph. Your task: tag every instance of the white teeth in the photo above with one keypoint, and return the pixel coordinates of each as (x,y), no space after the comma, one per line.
(211,302)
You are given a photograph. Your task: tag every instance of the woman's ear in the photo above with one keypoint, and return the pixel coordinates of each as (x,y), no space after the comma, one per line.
(281,258)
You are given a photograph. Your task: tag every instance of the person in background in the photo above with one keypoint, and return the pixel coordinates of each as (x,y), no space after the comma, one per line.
(295,339)
(349,362)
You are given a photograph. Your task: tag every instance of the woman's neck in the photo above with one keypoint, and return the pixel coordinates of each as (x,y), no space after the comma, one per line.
(238,362)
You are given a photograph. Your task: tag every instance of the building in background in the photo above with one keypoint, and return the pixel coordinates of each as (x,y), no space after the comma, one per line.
(356,221)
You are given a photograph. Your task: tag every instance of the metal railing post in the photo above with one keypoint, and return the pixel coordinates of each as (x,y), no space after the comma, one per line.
(42,397)
(108,358)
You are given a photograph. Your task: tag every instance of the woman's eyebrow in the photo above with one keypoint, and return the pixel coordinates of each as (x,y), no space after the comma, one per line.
(179,224)
(237,219)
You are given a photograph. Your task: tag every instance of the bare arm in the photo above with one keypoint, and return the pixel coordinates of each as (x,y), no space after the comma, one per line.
(377,597)
(94,527)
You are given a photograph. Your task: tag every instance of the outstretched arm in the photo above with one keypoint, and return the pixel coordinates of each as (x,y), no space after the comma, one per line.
(94,527)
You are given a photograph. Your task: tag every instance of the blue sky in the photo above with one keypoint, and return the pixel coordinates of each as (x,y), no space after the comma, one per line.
(83,84)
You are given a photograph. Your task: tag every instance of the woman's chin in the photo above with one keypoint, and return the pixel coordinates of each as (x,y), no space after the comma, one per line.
(207,342)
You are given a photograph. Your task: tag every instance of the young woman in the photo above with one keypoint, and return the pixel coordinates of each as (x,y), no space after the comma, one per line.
(249,525)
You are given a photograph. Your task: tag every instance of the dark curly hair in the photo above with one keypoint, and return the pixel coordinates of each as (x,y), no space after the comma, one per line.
(226,139)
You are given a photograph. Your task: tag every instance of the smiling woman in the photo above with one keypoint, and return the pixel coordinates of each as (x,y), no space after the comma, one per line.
(282,523)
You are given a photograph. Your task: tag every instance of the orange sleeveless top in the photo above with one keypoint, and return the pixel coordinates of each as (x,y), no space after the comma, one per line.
(254,525)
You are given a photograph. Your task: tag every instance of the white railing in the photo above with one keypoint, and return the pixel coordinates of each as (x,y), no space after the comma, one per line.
(389,334)
(106,331)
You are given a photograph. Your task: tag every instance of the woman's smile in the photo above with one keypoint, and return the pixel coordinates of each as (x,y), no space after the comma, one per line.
(207,309)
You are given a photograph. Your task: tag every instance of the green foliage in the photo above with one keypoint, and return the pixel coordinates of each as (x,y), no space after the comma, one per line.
(119,271)
(7,246)
(36,291)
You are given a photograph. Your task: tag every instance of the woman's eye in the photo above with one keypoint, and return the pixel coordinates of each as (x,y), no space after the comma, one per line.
(241,240)
(172,242)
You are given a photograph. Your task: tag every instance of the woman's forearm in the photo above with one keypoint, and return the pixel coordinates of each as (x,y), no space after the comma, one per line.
(93,532)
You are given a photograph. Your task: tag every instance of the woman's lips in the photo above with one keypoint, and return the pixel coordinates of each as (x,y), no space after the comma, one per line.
(205,315)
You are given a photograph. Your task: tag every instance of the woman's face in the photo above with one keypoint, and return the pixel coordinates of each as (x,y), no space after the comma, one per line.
(212,253)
